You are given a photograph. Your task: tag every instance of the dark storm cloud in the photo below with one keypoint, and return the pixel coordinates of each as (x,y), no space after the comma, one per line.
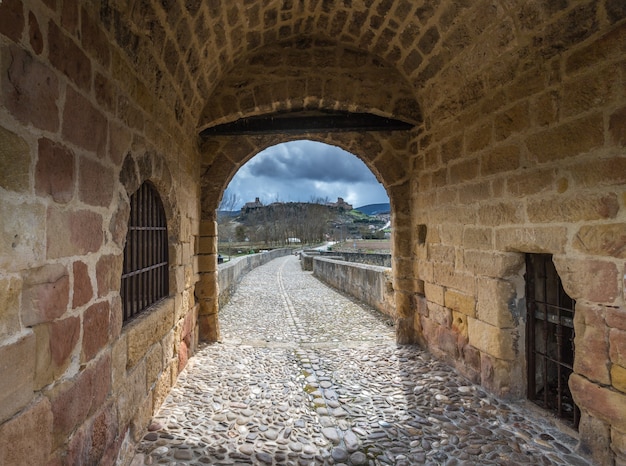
(307,160)
(304,171)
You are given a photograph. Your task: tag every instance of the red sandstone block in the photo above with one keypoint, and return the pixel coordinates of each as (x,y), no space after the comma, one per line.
(95,329)
(83,124)
(83,291)
(617,127)
(617,341)
(45,294)
(601,402)
(34,34)
(54,173)
(12,19)
(28,89)
(72,233)
(108,274)
(25,440)
(68,58)
(94,40)
(591,280)
(74,400)
(63,336)
(95,183)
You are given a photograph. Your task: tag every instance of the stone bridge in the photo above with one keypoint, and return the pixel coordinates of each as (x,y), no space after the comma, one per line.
(304,375)
(497,127)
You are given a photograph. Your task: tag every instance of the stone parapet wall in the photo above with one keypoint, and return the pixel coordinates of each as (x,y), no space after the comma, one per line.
(382,260)
(229,273)
(369,284)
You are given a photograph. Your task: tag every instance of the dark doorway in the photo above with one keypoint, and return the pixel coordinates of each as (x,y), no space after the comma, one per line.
(550,339)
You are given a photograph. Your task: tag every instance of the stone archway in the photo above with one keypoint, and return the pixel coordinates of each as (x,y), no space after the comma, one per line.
(383,155)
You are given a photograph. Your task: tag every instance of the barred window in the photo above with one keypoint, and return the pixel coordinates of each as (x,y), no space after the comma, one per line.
(145,279)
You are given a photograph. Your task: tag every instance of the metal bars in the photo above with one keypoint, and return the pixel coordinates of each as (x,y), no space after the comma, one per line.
(549,339)
(145,277)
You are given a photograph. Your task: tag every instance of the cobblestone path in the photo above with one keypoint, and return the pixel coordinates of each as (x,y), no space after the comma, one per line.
(305,376)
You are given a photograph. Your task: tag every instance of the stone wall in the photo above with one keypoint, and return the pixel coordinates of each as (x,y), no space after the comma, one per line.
(382,260)
(79,132)
(518,146)
(369,284)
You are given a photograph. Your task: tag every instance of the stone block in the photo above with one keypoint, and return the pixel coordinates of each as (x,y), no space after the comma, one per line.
(599,172)
(45,294)
(450,278)
(618,443)
(75,400)
(478,138)
(95,330)
(604,403)
(463,170)
(493,341)
(154,364)
(15,160)
(500,377)
(592,344)
(119,362)
(109,273)
(17,363)
(568,139)
(83,290)
(497,302)
(95,183)
(55,344)
(131,393)
(83,125)
(440,252)
(22,232)
(207,245)
(602,240)
(532,239)
(441,315)
(68,58)
(501,213)
(12,19)
(591,280)
(72,233)
(576,208)
(10,291)
(595,439)
(26,439)
(434,293)
(527,184)
(54,172)
(163,385)
(29,90)
(493,264)
(499,160)
(618,378)
(143,416)
(460,303)
(459,325)
(149,328)
(477,238)
(617,341)
(617,127)
(616,318)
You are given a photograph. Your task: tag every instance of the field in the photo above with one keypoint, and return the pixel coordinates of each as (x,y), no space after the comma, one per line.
(380,246)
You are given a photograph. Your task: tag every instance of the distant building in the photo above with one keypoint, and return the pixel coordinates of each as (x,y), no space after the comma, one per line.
(248,206)
(340,204)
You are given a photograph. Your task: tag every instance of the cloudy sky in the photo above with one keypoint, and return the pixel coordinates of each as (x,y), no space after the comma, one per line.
(301,171)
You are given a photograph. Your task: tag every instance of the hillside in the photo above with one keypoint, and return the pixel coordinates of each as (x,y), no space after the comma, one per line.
(373,209)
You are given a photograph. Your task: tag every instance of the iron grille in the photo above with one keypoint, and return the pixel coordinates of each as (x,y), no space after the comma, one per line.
(145,278)
(550,339)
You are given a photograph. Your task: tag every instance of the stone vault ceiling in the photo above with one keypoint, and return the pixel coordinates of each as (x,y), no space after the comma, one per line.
(213,61)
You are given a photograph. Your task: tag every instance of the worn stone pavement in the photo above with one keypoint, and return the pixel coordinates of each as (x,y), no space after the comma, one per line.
(306,376)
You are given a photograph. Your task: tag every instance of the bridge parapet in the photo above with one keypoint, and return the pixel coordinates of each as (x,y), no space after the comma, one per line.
(370,284)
